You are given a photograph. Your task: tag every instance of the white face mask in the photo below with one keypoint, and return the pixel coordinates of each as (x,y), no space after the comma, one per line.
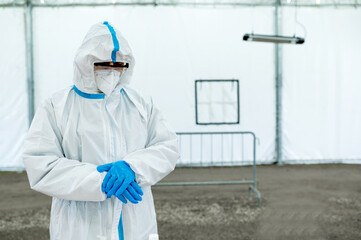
(107,79)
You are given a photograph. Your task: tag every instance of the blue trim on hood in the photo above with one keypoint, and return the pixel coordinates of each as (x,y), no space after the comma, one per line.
(88,95)
(115,41)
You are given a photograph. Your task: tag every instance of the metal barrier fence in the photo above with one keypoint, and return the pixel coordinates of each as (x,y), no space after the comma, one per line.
(191,163)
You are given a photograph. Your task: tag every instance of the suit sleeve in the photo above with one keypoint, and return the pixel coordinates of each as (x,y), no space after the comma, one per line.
(160,155)
(48,170)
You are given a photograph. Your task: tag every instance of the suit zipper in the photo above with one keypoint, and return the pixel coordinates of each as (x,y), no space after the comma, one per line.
(112,132)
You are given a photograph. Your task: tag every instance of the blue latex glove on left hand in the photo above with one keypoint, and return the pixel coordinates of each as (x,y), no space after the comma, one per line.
(120,182)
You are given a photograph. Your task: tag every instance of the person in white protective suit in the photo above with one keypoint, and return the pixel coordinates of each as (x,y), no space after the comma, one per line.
(96,123)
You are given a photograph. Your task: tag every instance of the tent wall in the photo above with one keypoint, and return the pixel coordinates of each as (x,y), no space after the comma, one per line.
(174,46)
(13,97)
(322,88)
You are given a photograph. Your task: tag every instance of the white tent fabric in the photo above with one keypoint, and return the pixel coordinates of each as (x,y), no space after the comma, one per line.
(322,88)
(13,96)
(321,78)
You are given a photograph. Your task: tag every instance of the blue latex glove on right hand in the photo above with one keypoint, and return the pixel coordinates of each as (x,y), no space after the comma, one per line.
(120,182)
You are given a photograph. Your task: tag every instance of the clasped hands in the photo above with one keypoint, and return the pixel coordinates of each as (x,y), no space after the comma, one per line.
(120,182)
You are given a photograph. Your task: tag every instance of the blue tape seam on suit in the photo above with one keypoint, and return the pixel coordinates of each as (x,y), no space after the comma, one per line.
(88,95)
(91,96)
(115,41)
(120,228)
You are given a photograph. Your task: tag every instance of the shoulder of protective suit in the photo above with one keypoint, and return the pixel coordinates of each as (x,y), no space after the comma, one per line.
(143,102)
(57,99)
(60,96)
(55,104)
(61,93)
(142,98)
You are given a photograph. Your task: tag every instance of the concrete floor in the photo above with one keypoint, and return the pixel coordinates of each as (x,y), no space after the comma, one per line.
(298,202)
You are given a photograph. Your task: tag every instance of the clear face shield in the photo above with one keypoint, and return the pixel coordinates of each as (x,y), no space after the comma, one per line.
(108,75)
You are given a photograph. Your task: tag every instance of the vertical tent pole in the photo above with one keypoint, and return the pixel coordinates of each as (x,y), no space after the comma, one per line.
(29,57)
(278,74)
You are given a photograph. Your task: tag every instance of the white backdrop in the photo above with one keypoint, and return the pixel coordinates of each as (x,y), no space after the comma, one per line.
(13,95)
(322,88)
(174,46)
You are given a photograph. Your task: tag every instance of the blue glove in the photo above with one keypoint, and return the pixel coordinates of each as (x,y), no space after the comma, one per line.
(120,182)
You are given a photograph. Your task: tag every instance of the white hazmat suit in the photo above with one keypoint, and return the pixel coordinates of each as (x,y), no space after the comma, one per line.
(78,128)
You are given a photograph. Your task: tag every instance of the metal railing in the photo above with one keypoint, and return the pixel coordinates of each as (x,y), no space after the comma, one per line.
(191,162)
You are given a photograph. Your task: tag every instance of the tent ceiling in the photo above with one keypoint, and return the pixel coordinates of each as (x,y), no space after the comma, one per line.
(306,3)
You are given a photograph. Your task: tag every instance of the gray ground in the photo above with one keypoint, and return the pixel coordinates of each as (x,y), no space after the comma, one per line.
(298,202)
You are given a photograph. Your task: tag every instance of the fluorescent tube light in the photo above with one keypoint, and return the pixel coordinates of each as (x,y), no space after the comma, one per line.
(273,38)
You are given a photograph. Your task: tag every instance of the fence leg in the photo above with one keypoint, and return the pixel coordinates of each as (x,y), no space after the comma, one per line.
(251,188)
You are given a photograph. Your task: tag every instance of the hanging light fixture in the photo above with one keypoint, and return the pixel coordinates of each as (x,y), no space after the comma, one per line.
(277,38)
(272,38)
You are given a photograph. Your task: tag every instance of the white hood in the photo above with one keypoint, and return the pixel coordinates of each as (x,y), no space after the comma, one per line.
(102,43)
